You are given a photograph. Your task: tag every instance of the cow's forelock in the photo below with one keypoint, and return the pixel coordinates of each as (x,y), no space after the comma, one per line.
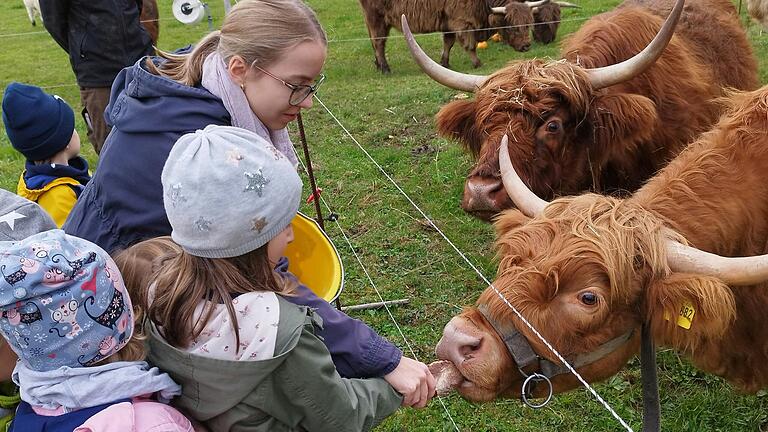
(534,86)
(519,99)
(589,231)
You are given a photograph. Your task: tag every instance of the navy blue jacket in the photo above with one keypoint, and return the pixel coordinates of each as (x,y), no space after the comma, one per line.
(123,202)
(26,420)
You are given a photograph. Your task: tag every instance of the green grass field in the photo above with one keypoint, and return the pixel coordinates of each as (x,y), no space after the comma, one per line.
(392,118)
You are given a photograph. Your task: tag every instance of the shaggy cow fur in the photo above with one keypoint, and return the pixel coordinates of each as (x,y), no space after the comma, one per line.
(566,137)
(591,267)
(459,17)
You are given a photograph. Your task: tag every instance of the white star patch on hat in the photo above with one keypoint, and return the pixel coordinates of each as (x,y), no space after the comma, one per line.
(10,218)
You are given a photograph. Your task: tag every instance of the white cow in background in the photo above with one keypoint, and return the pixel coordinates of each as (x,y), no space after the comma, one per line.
(758,10)
(33,8)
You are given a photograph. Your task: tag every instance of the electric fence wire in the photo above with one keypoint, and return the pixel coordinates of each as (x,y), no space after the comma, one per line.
(378,293)
(364,38)
(479,273)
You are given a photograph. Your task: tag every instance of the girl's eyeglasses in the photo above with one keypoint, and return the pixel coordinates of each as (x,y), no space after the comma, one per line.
(299,92)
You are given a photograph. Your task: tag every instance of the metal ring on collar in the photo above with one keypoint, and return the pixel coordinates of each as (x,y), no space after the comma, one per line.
(534,378)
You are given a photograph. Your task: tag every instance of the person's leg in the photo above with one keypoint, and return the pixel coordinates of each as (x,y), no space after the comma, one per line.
(95,101)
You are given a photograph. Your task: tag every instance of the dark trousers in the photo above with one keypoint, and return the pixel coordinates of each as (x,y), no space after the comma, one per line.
(95,100)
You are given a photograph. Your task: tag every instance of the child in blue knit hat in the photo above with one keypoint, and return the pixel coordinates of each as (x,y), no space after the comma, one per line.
(65,312)
(42,128)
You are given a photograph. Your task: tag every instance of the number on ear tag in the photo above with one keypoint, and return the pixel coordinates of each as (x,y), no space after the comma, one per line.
(685,316)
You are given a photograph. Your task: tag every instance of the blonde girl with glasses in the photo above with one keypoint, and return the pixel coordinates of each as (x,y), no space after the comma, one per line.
(256,73)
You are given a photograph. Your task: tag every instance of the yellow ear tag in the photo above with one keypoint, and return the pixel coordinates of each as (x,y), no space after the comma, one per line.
(685,316)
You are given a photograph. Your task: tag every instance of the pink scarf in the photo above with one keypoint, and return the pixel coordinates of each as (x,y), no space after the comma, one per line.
(216,80)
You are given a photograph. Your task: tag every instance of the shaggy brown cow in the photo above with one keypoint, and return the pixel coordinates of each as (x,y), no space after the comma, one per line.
(459,18)
(546,22)
(149,19)
(513,21)
(590,269)
(572,128)
(428,16)
(543,19)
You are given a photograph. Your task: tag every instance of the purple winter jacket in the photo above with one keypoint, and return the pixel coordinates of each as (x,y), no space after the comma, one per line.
(358,351)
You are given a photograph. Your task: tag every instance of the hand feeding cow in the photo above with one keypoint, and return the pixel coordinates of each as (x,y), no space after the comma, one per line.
(587,271)
(595,120)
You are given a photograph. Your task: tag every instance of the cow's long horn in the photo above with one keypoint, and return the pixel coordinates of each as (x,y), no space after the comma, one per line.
(733,271)
(620,72)
(524,198)
(445,76)
(535,4)
(499,10)
(567,5)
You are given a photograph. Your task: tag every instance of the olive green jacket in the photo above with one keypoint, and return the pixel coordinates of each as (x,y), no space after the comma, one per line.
(296,390)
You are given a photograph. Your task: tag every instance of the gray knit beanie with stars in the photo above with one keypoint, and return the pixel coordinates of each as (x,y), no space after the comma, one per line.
(227,192)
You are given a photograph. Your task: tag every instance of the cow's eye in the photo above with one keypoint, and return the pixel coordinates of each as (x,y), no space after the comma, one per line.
(553,127)
(588,298)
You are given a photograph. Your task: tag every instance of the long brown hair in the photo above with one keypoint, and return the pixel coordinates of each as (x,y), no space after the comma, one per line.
(256,30)
(168,284)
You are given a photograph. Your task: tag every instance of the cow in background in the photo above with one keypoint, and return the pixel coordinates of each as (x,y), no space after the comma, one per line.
(588,271)
(758,10)
(515,21)
(457,18)
(33,10)
(150,19)
(546,19)
(598,119)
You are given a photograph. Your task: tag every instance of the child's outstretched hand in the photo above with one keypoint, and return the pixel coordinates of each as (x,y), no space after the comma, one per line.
(414,381)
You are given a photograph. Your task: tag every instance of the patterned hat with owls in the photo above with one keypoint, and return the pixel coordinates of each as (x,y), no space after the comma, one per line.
(62,301)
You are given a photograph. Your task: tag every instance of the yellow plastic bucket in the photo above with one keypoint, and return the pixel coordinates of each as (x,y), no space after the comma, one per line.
(313,258)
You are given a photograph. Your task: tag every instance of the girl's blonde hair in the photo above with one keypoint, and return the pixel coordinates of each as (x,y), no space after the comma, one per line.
(257,30)
(180,281)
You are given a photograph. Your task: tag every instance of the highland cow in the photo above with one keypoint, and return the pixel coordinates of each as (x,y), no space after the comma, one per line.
(465,20)
(604,118)
(587,271)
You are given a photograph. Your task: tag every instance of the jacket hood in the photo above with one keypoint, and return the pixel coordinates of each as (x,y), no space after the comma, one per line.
(215,390)
(136,94)
(40,176)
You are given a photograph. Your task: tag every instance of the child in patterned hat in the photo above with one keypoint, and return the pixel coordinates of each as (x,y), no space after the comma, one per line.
(19,219)
(65,312)
(218,322)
